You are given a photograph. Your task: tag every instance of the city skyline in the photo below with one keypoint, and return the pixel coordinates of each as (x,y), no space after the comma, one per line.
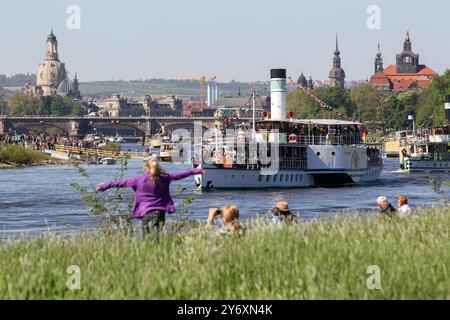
(161,40)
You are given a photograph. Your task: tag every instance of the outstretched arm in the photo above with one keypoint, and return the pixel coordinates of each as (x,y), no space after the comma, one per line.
(186,173)
(116,184)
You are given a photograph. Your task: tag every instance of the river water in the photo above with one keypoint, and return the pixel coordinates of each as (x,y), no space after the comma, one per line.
(38,199)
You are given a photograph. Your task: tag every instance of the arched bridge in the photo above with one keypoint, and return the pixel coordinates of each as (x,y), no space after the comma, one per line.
(79,126)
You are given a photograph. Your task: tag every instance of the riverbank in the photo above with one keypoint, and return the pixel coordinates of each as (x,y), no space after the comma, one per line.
(311,260)
(16,156)
(48,162)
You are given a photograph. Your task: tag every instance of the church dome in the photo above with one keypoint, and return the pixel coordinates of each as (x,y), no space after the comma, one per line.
(65,87)
(337,73)
(51,73)
(302,80)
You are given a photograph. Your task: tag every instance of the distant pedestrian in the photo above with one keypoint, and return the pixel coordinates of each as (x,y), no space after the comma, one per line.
(152,198)
(385,207)
(404,209)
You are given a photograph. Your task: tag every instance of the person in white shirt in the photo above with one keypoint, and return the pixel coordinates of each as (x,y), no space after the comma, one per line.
(404,209)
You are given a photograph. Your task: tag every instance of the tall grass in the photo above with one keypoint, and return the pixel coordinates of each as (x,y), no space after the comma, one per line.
(310,260)
(14,153)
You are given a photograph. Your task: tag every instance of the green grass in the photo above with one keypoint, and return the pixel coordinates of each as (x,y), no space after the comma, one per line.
(313,260)
(18,154)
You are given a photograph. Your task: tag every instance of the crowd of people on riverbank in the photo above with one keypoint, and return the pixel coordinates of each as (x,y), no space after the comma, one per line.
(27,140)
(45,141)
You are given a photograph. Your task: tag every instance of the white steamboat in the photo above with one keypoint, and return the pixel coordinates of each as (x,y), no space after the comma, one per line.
(308,153)
(427,149)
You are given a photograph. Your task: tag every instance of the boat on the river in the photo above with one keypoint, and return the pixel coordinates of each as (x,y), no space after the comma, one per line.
(393,143)
(166,151)
(108,160)
(428,149)
(310,153)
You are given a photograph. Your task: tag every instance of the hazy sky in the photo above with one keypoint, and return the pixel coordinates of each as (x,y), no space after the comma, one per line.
(232,39)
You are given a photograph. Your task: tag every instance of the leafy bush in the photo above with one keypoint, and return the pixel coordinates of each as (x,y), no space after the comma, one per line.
(109,212)
(18,154)
(112,146)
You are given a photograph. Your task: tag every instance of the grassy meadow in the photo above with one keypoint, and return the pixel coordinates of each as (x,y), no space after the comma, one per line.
(310,260)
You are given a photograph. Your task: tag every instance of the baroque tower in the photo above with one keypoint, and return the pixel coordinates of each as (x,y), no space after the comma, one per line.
(407,61)
(378,61)
(51,72)
(337,74)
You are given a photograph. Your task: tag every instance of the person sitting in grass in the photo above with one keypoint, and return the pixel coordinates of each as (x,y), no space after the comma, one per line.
(385,207)
(404,209)
(152,198)
(230,219)
(274,215)
(281,213)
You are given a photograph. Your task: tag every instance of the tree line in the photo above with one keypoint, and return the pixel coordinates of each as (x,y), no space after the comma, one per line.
(55,105)
(16,80)
(365,103)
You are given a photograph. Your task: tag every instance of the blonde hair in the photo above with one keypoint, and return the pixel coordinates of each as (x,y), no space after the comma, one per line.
(153,168)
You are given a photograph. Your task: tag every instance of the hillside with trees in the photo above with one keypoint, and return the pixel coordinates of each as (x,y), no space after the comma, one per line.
(15,80)
(365,103)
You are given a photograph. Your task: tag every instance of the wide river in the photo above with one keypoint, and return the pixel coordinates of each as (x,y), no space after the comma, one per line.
(37,199)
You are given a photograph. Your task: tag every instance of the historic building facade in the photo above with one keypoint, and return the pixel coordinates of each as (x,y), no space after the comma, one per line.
(337,74)
(52,76)
(406,74)
(119,106)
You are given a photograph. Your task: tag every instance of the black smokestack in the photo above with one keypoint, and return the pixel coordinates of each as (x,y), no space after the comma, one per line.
(447,108)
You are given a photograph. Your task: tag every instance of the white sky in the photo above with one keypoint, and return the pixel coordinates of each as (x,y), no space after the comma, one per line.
(232,39)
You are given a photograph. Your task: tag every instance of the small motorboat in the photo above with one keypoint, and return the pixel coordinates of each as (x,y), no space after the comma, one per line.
(108,160)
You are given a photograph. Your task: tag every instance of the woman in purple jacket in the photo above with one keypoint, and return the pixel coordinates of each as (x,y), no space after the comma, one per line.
(151,193)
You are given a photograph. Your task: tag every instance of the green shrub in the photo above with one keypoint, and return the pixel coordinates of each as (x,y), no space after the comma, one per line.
(112,146)
(18,154)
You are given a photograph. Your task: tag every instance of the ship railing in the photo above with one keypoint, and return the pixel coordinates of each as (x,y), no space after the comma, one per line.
(419,140)
(293,164)
(374,161)
(326,140)
(307,139)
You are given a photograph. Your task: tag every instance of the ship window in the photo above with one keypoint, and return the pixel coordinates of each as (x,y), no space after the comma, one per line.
(275,178)
(292,177)
(281,178)
(260,178)
(296,177)
(268,179)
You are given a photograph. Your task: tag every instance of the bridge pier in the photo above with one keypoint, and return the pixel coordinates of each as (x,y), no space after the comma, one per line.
(148,131)
(78,128)
(5,125)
